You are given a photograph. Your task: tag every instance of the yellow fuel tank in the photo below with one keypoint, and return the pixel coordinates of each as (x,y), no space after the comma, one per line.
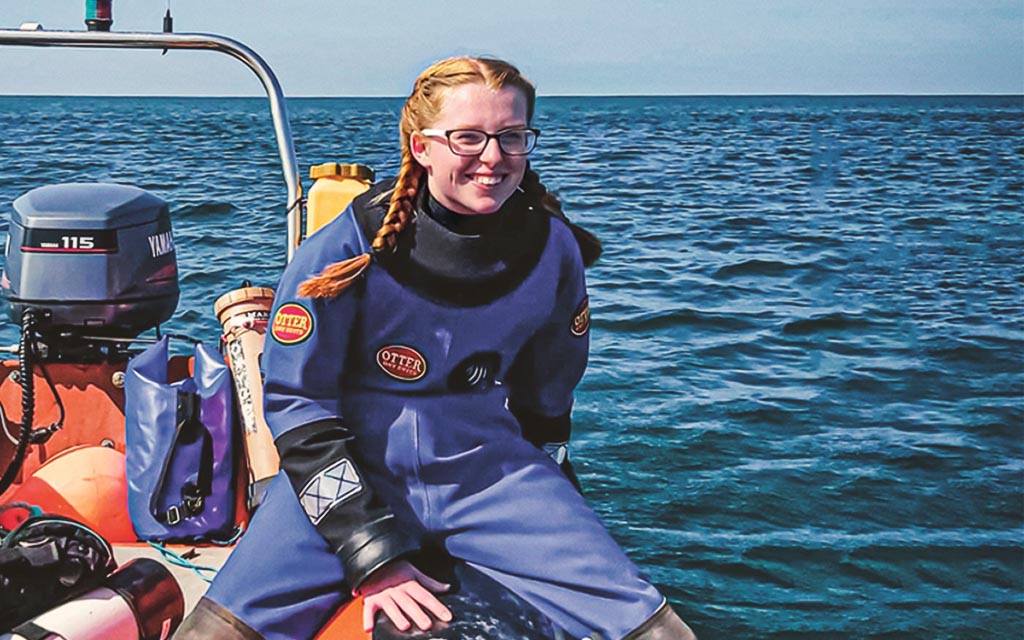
(334,187)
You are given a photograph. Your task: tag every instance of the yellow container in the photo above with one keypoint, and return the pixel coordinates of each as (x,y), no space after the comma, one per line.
(334,187)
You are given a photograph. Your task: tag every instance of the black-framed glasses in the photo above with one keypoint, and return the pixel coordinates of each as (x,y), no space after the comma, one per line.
(472,142)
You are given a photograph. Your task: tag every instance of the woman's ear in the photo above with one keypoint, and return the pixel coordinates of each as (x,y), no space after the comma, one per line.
(418,147)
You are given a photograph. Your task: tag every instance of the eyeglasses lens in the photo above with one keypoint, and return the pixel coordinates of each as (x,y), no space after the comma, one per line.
(517,142)
(467,141)
(470,142)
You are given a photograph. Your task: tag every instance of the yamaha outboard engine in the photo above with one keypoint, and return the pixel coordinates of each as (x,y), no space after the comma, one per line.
(89,268)
(92,261)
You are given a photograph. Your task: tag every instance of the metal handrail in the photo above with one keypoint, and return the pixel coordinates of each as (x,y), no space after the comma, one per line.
(142,40)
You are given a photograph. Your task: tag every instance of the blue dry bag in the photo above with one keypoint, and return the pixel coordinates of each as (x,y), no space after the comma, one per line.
(178,441)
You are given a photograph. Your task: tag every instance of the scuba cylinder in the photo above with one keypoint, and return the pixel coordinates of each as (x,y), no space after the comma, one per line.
(334,187)
(139,601)
(244,314)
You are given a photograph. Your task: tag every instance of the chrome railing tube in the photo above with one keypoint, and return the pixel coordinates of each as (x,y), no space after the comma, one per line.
(140,40)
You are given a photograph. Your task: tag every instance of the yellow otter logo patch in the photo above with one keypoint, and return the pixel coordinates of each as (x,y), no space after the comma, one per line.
(292,324)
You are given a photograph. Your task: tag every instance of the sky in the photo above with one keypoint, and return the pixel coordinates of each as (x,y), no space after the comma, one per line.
(567,47)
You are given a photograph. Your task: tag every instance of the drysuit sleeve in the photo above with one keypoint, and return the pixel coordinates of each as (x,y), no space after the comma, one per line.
(545,373)
(303,362)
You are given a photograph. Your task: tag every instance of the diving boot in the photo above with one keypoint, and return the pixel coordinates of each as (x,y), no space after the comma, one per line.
(209,620)
(663,625)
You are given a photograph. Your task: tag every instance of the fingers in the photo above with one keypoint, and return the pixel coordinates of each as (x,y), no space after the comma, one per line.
(430,602)
(369,612)
(380,603)
(385,603)
(403,592)
(409,600)
(412,609)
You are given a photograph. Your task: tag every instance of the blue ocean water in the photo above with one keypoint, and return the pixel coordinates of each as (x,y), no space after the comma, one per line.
(804,413)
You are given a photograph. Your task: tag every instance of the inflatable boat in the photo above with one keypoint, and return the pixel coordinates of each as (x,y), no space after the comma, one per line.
(90,275)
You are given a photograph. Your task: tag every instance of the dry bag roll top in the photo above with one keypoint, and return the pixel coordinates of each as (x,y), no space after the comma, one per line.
(179,447)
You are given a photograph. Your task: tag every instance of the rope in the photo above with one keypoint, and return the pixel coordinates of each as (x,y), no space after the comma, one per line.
(181,561)
(230,541)
(32,509)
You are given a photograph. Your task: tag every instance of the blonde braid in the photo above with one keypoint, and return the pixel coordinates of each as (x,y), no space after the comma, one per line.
(335,278)
(400,208)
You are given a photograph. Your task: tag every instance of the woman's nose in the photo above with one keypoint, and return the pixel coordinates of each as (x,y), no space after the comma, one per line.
(491,152)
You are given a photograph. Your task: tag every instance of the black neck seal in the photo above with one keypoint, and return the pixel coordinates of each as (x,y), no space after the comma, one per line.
(451,258)
(460,223)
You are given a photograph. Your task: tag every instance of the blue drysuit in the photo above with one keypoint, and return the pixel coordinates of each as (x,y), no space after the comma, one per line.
(429,403)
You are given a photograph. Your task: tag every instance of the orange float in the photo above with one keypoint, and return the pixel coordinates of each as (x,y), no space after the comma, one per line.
(84,483)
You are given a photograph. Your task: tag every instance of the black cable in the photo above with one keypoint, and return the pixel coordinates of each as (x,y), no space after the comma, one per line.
(42,435)
(25,351)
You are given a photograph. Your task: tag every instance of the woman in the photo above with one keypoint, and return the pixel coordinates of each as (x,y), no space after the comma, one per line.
(422,358)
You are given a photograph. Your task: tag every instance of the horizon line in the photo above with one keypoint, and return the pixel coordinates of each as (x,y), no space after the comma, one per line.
(554,95)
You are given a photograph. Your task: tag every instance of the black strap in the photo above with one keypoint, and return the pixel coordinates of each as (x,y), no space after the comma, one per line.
(32,631)
(193,494)
(43,555)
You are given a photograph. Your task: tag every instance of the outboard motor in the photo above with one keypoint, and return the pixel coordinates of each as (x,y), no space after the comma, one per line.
(89,268)
(91,260)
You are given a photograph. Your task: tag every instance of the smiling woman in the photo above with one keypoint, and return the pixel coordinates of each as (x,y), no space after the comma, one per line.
(425,413)
(465,172)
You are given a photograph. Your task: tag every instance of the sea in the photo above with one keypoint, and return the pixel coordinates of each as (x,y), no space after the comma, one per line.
(804,411)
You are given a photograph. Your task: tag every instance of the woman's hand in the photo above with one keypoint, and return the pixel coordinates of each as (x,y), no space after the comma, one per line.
(402,591)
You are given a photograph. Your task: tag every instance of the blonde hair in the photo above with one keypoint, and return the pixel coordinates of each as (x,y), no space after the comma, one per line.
(422,109)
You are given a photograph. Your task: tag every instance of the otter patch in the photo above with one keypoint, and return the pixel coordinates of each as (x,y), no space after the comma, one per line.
(292,324)
(581,319)
(402,362)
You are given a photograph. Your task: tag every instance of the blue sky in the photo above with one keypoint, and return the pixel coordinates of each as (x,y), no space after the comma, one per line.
(568,47)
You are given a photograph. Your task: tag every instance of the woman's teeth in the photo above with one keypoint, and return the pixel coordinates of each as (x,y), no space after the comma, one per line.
(488,180)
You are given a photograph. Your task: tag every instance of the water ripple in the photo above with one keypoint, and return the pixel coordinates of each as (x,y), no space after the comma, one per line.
(804,412)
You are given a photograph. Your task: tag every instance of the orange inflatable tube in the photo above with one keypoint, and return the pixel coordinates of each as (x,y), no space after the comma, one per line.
(347,624)
(85,483)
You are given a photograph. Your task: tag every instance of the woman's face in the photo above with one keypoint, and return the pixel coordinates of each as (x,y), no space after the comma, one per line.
(481,183)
